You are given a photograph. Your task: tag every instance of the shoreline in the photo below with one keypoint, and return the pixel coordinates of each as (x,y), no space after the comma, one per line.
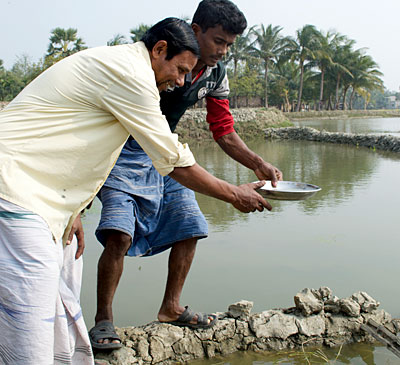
(319,318)
(343,114)
(251,122)
(384,142)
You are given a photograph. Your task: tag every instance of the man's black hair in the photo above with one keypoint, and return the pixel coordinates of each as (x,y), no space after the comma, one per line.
(211,13)
(177,33)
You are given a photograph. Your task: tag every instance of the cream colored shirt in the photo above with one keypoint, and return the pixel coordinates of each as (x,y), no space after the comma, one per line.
(60,137)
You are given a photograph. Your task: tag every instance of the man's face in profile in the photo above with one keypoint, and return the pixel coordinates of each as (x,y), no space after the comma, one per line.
(171,73)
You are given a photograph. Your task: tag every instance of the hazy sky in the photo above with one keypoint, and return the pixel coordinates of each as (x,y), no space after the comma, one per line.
(25,25)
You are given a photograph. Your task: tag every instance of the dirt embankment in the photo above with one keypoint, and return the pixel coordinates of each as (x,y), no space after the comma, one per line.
(249,123)
(344,114)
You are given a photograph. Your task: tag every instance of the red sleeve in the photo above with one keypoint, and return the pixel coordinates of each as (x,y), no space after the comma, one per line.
(219,117)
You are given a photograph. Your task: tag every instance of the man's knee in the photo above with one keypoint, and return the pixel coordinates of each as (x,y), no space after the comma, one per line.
(117,243)
(188,244)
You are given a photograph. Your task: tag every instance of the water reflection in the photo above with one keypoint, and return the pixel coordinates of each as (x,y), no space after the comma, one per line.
(315,163)
(359,353)
(355,125)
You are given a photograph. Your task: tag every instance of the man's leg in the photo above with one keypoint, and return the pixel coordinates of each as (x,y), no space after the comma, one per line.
(181,219)
(109,271)
(179,263)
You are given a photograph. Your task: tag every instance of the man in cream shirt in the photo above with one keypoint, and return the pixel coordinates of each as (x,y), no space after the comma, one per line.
(59,139)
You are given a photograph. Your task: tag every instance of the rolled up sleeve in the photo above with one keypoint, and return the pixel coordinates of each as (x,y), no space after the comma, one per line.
(135,103)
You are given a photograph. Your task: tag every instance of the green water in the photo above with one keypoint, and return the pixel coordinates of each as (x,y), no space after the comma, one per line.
(344,237)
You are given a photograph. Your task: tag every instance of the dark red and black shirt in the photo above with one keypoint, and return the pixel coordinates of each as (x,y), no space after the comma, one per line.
(212,83)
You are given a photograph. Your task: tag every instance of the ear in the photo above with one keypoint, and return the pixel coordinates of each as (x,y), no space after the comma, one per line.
(196,28)
(159,49)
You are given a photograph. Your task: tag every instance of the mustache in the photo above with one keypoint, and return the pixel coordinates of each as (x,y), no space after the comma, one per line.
(170,87)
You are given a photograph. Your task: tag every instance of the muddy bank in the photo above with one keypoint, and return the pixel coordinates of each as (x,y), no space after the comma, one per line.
(344,114)
(318,318)
(249,123)
(385,142)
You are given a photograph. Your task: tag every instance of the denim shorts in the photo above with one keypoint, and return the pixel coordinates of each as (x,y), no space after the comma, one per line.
(155,211)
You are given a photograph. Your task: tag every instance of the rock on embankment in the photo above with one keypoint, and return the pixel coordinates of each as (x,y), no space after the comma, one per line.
(385,142)
(318,318)
(249,122)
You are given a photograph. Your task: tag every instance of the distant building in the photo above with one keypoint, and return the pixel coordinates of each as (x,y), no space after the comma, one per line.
(392,102)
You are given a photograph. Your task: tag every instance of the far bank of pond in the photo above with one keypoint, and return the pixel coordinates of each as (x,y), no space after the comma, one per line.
(373,141)
(251,122)
(344,114)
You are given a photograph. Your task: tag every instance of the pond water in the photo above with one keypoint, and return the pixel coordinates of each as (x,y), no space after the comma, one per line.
(344,237)
(355,125)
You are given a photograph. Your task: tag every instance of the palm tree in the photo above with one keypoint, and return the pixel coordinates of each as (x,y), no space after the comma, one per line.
(117,40)
(302,49)
(237,53)
(343,56)
(328,43)
(284,85)
(137,33)
(267,46)
(366,78)
(64,42)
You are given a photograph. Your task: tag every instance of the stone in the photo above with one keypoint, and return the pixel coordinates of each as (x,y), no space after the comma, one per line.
(242,328)
(396,324)
(240,310)
(123,355)
(366,302)
(311,326)
(211,348)
(168,334)
(158,350)
(339,326)
(190,345)
(224,330)
(228,347)
(325,292)
(350,307)
(273,323)
(131,333)
(142,348)
(379,316)
(308,303)
(205,334)
(332,305)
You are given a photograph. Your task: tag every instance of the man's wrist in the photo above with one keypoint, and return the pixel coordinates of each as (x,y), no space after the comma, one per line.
(258,163)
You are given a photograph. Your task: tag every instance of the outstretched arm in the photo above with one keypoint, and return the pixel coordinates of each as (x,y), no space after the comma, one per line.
(243,197)
(221,125)
(234,146)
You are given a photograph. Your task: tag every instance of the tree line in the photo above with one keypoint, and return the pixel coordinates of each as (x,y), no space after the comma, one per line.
(314,70)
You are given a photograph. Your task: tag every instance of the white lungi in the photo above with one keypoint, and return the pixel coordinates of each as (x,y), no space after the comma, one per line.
(41,319)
